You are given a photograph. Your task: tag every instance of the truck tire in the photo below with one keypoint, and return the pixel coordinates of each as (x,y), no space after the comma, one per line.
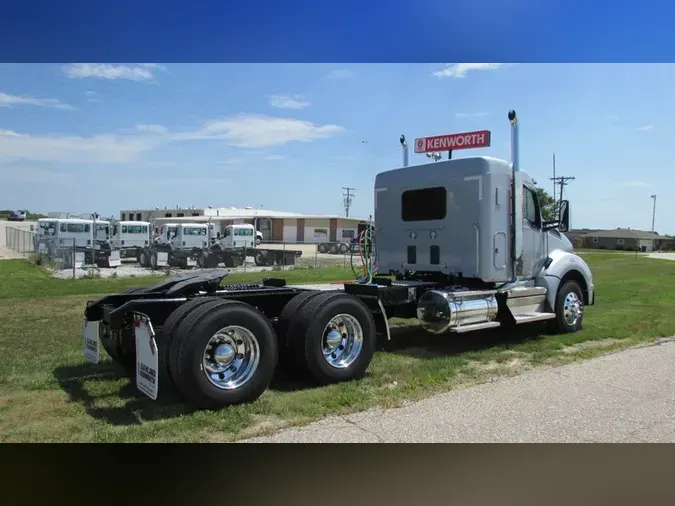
(200,369)
(322,248)
(333,250)
(153,261)
(344,249)
(291,351)
(260,258)
(168,330)
(144,258)
(569,309)
(315,337)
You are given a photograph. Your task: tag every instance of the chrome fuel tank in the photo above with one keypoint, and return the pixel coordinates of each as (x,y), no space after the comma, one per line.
(439,311)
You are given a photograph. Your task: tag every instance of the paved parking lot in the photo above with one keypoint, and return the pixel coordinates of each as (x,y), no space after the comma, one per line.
(628,396)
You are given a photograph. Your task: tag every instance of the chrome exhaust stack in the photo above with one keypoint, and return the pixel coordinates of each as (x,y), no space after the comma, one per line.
(516,200)
(404,145)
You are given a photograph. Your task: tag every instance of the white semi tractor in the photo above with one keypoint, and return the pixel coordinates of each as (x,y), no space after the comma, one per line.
(461,246)
(76,241)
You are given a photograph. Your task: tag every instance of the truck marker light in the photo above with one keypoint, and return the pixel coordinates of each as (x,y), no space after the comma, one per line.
(413,235)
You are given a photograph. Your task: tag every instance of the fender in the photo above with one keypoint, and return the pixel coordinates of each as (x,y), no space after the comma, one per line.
(561,266)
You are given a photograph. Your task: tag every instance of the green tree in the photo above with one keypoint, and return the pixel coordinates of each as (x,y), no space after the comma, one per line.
(549,208)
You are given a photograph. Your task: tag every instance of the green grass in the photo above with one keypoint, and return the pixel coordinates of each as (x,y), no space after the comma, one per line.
(49,393)
(21,279)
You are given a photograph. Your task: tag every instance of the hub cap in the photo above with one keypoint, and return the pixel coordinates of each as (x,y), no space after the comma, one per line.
(573,309)
(342,341)
(231,357)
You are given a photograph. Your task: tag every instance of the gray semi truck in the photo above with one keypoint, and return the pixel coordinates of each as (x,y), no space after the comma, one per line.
(461,246)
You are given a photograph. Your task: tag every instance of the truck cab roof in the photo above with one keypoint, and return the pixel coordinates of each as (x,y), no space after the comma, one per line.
(444,169)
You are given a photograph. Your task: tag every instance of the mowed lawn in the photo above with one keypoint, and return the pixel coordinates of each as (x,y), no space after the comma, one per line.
(49,393)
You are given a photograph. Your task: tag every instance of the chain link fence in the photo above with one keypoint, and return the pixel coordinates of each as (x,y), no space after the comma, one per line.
(66,261)
(20,240)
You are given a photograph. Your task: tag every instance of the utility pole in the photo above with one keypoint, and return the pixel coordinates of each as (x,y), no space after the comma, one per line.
(653,197)
(554,180)
(347,198)
(561,181)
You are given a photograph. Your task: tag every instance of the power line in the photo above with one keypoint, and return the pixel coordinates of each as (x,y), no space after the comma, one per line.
(347,196)
(562,181)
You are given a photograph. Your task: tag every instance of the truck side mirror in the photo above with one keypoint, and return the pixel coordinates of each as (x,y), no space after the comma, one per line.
(564,216)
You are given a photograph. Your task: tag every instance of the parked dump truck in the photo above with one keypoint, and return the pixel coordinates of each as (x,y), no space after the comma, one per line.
(76,241)
(460,245)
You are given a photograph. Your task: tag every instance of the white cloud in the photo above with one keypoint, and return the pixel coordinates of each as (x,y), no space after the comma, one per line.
(139,72)
(93,96)
(288,101)
(644,128)
(7,100)
(259,131)
(151,129)
(471,114)
(460,70)
(340,74)
(104,149)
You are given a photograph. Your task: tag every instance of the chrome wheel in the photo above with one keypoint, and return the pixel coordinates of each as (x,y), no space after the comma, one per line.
(573,309)
(342,341)
(231,357)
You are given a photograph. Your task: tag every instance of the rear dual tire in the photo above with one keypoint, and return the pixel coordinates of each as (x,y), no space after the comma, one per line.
(329,336)
(222,353)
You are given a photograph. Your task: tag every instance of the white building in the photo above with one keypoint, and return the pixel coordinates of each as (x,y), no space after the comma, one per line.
(276,226)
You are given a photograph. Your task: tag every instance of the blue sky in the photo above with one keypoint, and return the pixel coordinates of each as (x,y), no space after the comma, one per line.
(102,137)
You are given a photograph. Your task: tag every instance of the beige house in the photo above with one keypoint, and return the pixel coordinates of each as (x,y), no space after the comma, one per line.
(626,239)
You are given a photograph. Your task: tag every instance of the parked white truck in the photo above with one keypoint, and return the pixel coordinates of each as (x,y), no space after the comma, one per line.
(240,241)
(461,245)
(131,237)
(176,245)
(78,241)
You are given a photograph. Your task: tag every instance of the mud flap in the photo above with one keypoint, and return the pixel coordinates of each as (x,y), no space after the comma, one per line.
(162,259)
(147,357)
(114,260)
(91,341)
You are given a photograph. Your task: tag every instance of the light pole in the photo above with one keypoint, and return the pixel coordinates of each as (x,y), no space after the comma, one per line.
(653,197)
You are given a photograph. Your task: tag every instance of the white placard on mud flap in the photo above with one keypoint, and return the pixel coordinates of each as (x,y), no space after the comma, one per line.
(162,258)
(147,358)
(114,260)
(79,259)
(91,341)
(191,261)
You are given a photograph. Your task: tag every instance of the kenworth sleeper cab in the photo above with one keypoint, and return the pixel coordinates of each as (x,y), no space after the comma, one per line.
(461,246)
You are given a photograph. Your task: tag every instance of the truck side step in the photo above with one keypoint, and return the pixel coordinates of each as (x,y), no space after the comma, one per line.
(476,326)
(532,317)
(526,291)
